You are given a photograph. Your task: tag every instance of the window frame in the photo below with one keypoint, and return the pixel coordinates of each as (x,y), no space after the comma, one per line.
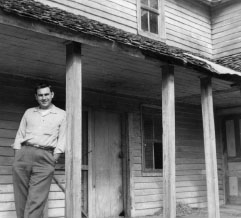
(161,36)
(237,129)
(145,171)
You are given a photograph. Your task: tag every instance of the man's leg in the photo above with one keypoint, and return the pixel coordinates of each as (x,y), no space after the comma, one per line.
(39,186)
(21,176)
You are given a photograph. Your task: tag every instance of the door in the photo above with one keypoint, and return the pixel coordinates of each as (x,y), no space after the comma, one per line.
(232,127)
(107,166)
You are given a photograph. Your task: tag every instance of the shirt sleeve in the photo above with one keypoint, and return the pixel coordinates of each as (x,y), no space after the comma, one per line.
(20,133)
(60,148)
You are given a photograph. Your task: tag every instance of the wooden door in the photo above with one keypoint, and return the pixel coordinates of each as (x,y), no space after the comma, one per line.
(107,166)
(233,150)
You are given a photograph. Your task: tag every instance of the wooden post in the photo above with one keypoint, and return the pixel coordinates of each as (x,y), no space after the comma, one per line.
(73,156)
(168,123)
(210,148)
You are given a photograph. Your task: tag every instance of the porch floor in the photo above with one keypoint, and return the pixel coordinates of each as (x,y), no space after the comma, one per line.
(227,211)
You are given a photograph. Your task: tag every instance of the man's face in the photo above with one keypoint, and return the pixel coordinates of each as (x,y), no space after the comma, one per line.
(44,97)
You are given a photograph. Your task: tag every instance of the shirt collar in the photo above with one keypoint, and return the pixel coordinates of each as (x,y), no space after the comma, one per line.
(52,110)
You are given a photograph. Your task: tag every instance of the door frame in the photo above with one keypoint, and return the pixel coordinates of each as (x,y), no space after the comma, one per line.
(125,161)
(225,151)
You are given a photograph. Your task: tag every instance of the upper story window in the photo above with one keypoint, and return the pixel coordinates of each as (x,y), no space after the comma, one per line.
(151,16)
(152,138)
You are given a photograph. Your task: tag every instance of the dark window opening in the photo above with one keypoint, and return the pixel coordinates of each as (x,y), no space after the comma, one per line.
(152,138)
(158,155)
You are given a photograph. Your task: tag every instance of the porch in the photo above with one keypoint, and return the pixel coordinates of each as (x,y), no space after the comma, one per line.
(115,82)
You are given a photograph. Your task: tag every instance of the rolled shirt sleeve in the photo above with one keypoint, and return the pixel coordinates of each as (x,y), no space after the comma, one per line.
(20,133)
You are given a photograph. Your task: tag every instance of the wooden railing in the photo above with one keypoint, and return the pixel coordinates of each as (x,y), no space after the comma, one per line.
(45,213)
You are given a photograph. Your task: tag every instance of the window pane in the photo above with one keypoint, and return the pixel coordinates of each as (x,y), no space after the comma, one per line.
(144,20)
(153,23)
(148,152)
(157,128)
(154,4)
(158,155)
(144,2)
(147,127)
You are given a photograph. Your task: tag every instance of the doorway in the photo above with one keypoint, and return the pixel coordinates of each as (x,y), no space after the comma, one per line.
(107,182)
(232,133)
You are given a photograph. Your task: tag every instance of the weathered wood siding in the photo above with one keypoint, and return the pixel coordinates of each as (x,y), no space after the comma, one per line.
(188,23)
(188,26)
(16,96)
(146,188)
(118,13)
(226,29)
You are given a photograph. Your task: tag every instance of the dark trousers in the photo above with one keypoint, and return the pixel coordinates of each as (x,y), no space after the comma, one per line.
(33,170)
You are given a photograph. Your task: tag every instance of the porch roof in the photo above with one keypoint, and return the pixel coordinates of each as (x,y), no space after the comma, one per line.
(219,68)
(213,2)
(80,24)
(232,61)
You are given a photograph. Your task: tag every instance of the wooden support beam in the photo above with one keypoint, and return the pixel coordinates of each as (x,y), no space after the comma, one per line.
(189,98)
(67,34)
(210,148)
(228,111)
(168,123)
(73,157)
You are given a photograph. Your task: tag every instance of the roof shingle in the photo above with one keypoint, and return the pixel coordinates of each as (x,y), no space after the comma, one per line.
(80,24)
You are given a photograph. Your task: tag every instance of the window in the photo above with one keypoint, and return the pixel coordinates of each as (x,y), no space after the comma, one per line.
(152,138)
(150,18)
(232,133)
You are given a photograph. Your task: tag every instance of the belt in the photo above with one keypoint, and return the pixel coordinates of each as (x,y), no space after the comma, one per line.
(47,148)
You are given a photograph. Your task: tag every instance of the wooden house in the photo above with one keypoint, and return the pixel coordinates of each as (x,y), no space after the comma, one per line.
(152,94)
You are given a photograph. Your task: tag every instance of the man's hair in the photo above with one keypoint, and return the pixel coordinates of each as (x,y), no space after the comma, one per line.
(43,85)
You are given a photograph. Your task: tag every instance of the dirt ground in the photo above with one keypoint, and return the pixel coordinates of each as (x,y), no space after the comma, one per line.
(227,211)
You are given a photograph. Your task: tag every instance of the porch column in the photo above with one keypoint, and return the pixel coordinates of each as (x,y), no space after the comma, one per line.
(73,156)
(168,123)
(210,148)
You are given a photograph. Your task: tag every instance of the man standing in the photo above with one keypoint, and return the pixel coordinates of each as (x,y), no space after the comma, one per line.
(38,144)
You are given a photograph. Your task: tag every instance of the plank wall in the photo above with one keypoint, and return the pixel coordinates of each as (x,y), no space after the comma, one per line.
(226,29)
(146,188)
(188,26)
(118,13)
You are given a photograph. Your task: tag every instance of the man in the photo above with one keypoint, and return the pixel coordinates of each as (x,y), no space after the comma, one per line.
(38,144)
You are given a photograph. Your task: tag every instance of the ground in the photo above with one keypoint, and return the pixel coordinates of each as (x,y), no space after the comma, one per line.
(227,211)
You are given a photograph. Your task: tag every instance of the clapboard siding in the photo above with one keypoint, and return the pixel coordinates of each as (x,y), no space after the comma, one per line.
(118,13)
(188,26)
(190,165)
(187,23)
(226,29)
(146,188)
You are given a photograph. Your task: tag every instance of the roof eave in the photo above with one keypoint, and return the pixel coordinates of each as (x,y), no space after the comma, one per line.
(213,3)
(57,18)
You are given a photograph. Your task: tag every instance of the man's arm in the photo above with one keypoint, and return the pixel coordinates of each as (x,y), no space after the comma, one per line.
(60,148)
(20,134)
